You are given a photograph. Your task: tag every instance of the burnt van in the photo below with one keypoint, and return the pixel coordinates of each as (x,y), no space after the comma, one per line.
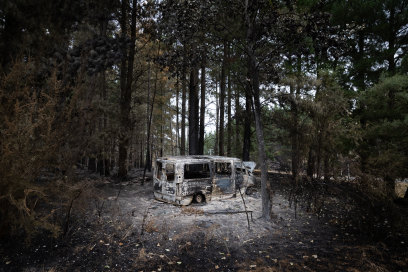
(183,179)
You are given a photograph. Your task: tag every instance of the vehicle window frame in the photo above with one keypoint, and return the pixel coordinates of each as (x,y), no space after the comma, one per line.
(159,170)
(222,172)
(194,178)
(173,173)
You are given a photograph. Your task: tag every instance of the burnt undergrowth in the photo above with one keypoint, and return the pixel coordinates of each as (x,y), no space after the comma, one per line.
(329,227)
(352,208)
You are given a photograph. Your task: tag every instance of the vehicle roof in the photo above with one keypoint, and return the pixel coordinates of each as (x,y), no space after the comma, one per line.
(197,159)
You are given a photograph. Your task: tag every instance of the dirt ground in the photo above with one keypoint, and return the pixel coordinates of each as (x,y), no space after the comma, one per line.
(126,229)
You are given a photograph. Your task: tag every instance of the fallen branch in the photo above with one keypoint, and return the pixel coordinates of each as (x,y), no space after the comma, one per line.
(144,221)
(128,232)
(120,190)
(246,211)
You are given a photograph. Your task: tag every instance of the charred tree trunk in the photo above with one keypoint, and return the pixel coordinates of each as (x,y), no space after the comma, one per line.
(193,120)
(148,162)
(265,186)
(217,110)
(123,76)
(107,167)
(103,165)
(177,116)
(141,152)
(253,76)
(161,124)
(149,110)
(183,111)
(294,139)
(319,155)
(246,146)
(100,165)
(229,118)
(361,73)
(391,42)
(237,122)
(222,102)
(326,168)
(106,164)
(126,80)
(171,136)
(295,124)
(92,164)
(202,111)
(310,163)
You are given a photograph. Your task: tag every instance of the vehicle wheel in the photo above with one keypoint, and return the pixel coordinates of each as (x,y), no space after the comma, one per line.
(199,198)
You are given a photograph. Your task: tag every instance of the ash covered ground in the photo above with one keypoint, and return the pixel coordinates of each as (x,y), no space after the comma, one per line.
(126,229)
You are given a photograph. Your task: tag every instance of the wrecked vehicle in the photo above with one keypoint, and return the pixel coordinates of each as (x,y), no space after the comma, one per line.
(182,179)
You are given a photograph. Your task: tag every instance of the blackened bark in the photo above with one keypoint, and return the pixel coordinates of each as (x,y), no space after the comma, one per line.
(294,138)
(246,146)
(319,153)
(177,116)
(100,165)
(310,164)
(391,42)
(92,164)
(202,110)
(107,167)
(253,76)
(360,77)
(149,110)
(161,125)
(148,161)
(102,130)
(222,102)
(229,118)
(295,125)
(103,166)
(105,156)
(193,119)
(171,138)
(183,111)
(141,152)
(123,76)
(217,114)
(326,168)
(126,89)
(237,123)
(265,186)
